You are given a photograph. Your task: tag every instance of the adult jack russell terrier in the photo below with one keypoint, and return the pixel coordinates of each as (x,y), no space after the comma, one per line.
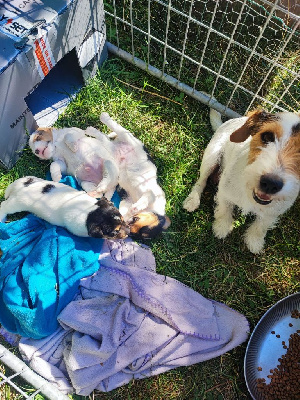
(258,157)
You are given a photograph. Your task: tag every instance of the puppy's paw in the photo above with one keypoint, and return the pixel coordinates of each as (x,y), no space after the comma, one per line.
(95,194)
(102,187)
(56,176)
(254,242)
(191,202)
(135,210)
(112,135)
(73,146)
(2,218)
(140,205)
(222,227)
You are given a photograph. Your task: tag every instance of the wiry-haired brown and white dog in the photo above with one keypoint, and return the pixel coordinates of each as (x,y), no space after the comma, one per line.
(259,160)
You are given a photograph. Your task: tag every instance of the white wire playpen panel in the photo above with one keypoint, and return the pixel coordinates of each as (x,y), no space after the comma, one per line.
(244,53)
(21,372)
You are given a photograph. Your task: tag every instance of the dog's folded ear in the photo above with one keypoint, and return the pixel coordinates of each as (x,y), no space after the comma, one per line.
(43,133)
(241,134)
(166,222)
(251,126)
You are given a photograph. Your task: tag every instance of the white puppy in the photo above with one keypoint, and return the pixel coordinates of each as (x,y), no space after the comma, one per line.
(144,204)
(259,162)
(64,206)
(89,159)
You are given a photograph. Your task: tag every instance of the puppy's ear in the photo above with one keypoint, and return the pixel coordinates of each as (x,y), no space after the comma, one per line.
(167,223)
(43,134)
(241,134)
(251,126)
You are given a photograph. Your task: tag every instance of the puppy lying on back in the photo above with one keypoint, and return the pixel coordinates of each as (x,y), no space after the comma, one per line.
(259,161)
(89,159)
(143,206)
(64,206)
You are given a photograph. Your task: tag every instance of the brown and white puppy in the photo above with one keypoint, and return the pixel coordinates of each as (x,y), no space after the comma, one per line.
(64,206)
(89,159)
(144,224)
(143,206)
(259,160)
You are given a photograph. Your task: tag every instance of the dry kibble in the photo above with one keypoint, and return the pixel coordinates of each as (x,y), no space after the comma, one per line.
(285,382)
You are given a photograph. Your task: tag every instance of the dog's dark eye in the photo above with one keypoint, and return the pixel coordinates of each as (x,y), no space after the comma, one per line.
(267,137)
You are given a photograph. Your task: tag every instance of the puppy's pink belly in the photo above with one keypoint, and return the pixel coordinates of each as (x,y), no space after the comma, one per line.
(90,173)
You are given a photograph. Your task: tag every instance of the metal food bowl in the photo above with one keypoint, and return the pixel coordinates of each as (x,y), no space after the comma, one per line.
(265,344)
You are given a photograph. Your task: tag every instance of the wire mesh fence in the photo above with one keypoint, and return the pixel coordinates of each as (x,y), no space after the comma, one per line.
(243,53)
(18,381)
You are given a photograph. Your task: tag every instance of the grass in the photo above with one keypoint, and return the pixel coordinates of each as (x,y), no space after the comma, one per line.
(176,129)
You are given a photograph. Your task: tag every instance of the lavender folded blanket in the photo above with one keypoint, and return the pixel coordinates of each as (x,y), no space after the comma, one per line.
(130,322)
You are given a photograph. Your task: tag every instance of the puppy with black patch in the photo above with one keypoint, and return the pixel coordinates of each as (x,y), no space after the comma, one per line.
(143,206)
(64,206)
(258,157)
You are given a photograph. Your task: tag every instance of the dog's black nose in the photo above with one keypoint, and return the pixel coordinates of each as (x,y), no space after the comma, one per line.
(271,184)
(36,151)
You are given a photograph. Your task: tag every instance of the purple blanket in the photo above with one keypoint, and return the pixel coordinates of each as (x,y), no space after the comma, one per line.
(130,322)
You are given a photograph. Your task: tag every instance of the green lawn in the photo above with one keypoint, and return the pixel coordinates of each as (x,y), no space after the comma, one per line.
(176,129)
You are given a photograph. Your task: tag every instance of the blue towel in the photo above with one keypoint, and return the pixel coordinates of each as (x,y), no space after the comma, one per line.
(40,270)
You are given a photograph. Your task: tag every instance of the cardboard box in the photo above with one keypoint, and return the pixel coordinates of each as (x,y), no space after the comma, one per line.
(48,50)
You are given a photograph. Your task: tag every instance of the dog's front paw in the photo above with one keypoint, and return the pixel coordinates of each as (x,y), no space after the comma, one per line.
(95,194)
(73,146)
(191,202)
(56,176)
(140,205)
(102,187)
(2,217)
(135,209)
(112,135)
(254,242)
(222,227)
